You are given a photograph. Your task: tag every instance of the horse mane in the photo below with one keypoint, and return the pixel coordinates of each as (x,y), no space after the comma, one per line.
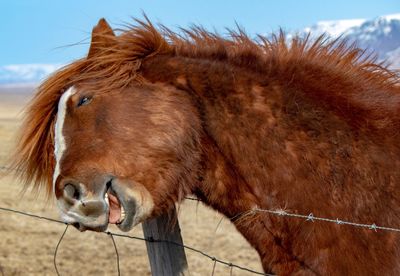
(118,65)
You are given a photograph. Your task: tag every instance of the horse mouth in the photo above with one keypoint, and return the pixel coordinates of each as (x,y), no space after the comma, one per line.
(116,210)
(116,204)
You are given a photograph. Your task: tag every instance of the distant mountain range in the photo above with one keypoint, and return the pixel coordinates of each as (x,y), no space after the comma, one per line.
(381,35)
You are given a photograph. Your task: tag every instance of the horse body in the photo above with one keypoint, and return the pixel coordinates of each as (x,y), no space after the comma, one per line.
(274,148)
(310,128)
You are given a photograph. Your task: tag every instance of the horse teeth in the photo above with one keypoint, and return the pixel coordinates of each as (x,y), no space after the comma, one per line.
(107,199)
(122,214)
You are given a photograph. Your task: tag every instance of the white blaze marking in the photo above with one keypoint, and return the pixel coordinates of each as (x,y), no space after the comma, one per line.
(59,140)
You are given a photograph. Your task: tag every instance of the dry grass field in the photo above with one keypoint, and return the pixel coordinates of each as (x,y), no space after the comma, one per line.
(27,245)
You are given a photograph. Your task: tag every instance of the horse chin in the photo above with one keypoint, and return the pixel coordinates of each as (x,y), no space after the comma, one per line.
(136,204)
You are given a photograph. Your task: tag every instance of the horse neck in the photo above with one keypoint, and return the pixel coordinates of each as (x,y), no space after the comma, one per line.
(223,189)
(210,84)
(221,186)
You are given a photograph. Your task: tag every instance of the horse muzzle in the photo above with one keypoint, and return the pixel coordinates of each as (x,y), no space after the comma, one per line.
(95,209)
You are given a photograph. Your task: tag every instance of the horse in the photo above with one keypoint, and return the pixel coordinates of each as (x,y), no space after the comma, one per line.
(150,116)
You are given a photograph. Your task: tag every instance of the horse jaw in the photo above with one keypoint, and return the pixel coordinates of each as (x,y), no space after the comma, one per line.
(137,202)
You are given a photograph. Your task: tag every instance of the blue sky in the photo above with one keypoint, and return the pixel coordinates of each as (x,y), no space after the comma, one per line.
(34,31)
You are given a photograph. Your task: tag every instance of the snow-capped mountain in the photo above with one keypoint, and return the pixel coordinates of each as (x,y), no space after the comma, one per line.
(333,28)
(380,35)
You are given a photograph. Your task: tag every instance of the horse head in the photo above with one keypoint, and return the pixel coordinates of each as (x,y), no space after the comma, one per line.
(121,155)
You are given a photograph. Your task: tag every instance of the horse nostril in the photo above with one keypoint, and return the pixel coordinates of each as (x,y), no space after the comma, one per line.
(72,192)
(108,184)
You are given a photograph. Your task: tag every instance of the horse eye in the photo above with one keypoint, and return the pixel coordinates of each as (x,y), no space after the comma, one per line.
(84,100)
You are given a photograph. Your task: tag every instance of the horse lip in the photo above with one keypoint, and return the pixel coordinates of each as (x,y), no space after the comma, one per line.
(83,228)
(85,224)
(127,202)
(110,189)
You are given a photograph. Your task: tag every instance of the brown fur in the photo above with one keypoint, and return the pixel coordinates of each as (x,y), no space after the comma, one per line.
(306,127)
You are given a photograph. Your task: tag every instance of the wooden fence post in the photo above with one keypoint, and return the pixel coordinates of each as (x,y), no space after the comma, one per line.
(166,259)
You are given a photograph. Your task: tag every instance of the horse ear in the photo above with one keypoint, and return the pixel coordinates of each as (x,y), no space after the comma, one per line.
(102,37)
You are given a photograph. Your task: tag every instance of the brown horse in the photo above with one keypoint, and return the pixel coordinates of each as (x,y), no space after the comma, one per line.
(150,116)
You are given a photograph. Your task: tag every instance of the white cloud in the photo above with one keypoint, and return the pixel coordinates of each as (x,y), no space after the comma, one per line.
(26,73)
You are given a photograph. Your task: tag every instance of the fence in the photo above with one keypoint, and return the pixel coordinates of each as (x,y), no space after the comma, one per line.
(159,241)
(149,239)
(146,239)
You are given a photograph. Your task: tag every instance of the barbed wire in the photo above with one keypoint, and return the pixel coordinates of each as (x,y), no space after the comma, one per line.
(193,198)
(337,221)
(148,239)
(310,217)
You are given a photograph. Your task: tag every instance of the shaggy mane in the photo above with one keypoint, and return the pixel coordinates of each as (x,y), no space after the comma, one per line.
(117,66)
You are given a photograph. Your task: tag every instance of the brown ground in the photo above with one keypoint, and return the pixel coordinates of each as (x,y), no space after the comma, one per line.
(27,245)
